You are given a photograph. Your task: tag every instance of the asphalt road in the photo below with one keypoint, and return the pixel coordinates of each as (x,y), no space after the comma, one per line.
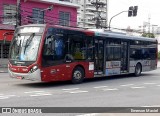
(116,91)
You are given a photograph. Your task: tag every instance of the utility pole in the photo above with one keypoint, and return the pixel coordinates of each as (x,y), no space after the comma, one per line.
(149,18)
(84,13)
(18,15)
(107,1)
(98,5)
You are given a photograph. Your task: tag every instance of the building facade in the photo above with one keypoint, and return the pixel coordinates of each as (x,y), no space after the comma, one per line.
(89,11)
(56,12)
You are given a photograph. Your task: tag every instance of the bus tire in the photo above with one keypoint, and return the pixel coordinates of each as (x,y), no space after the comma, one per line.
(78,75)
(138,70)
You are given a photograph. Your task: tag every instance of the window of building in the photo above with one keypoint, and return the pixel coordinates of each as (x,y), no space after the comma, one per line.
(64,18)
(9,12)
(37,16)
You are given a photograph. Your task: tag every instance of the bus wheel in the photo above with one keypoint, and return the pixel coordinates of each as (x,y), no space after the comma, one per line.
(138,70)
(78,75)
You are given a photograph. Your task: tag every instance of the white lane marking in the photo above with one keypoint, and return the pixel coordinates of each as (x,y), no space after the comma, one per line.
(150,83)
(10,95)
(6,96)
(92,114)
(70,89)
(38,93)
(34,91)
(138,87)
(78,91)
(158,85)
(3,97)
(100,87)
(127,85)
(114,89)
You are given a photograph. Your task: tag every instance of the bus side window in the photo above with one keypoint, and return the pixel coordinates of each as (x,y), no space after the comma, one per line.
(48,50)
(90,50)
(77,47)
(145,53)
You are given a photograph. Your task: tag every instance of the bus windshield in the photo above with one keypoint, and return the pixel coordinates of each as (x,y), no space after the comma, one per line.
(24,47)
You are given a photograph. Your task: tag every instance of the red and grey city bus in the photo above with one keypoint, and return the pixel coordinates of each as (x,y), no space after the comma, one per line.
(54,53)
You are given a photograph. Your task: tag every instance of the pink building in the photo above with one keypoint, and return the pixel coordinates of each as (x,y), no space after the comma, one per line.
(64,13)
(35,11)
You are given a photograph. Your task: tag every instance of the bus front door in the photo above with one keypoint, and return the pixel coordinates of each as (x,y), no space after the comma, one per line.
(99,57)
(124,56)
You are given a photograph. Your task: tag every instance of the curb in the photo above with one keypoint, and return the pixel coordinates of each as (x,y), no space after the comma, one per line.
(3,71)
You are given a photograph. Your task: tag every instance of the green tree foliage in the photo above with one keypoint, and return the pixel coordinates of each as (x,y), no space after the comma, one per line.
(150,35)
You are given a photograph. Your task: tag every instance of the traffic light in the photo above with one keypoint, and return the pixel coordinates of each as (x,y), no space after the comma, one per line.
(130,11)
(135,10)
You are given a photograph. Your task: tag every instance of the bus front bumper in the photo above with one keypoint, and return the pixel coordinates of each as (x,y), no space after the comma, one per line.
(35,76)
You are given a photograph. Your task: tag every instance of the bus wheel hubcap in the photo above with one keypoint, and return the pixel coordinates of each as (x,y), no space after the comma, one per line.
(77,75)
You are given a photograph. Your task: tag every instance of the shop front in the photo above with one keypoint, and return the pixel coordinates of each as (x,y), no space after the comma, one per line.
(5,40)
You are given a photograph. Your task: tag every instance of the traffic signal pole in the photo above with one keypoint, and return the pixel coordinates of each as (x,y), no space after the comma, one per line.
(131,12)
(115,16)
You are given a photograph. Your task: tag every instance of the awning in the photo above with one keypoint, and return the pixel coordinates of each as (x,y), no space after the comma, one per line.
(6,35)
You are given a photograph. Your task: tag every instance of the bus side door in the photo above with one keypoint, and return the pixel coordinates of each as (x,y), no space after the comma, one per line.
(99,56)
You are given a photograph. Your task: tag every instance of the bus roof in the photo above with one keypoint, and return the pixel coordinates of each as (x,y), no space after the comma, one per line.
(123,36)
(99,33)
(87,32)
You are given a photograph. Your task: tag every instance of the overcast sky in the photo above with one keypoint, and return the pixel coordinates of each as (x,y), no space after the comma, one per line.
(146,8)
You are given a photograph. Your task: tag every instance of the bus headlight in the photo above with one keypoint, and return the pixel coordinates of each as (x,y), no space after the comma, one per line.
(34,68)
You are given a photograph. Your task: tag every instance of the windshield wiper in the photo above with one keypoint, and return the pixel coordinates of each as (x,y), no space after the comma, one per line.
(28,41)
